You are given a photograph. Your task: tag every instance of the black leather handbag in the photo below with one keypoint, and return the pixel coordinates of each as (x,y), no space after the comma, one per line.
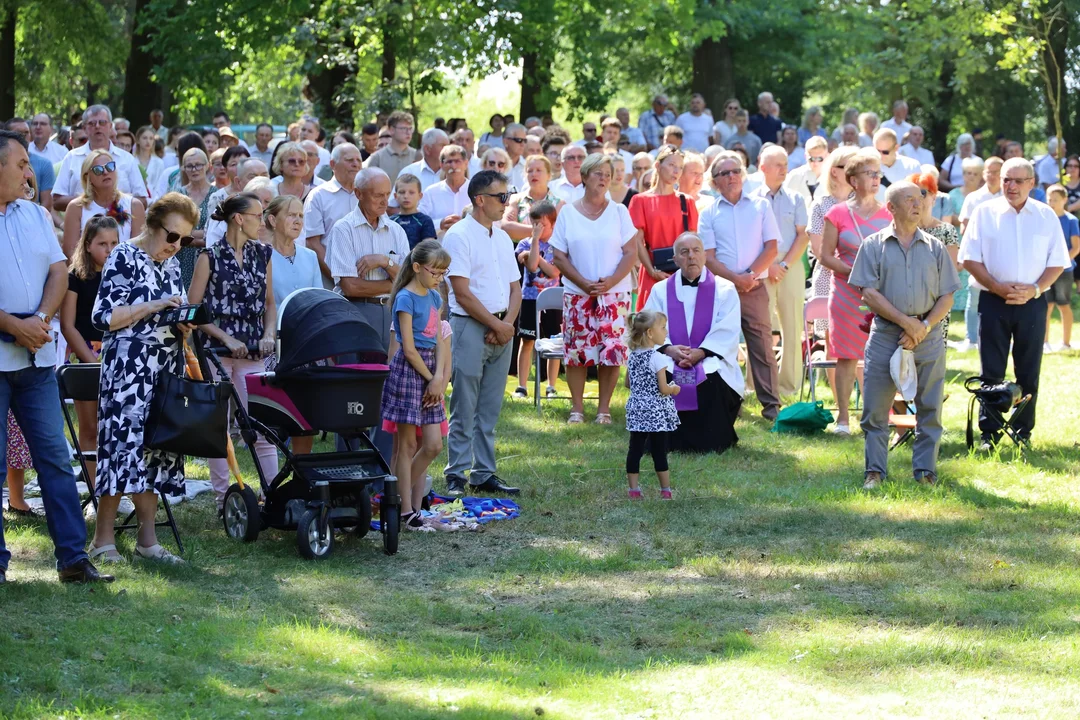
(664,258)
(188,417)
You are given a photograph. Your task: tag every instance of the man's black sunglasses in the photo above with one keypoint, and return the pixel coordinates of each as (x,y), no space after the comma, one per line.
(501,197)
(516,140)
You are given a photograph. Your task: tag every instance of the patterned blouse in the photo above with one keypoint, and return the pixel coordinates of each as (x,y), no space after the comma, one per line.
(237,295)
(525,205)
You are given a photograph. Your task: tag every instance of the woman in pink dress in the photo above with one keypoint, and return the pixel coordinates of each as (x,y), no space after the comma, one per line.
(846,226)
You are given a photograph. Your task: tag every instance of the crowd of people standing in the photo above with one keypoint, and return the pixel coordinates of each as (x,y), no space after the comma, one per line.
(683,248)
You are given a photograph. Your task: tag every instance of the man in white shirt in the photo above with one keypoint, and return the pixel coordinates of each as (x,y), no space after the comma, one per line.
(1048,166)
(913,147)
(514,144)
(263,150)
(309,130)
(331,201)
(610,132)
(1015,249)
(98,122)
(444,201)
(804,180)
(466,139)
(786,283)
(569,188)
(898,122)
(41,130)
(740,235)
(696,125)
(157,117)
(485,296)
(633,134)
(427,168)
(894,166)
(588,132)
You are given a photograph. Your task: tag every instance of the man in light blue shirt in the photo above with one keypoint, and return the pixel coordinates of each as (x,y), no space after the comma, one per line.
(33,280)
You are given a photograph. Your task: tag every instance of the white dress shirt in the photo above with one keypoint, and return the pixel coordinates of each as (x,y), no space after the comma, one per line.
(325,205)
(517,176)
(801,180)
(722,131)
(474,165)
(53,151)
(128,177)
(264,157)
(696,130)
(901,169)
(28,248)
(594,247)
(440,200)
(353,237)
(738,232)
(423,172)
(486,259)
(1015,247)
(901,129)
(566,192)
(974,199)
(919,154)
(1048,169)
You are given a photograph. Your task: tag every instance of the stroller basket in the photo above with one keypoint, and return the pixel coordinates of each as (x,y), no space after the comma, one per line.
(343,399)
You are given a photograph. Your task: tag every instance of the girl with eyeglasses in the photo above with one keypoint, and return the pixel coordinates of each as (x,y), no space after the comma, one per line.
(140,279)
(101,197)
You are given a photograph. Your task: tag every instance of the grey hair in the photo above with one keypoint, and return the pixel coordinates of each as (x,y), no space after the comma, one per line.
(367,176)
(687,237)
(1052,145)
(725,156)
(898,104)
(965,139)
(816,142)
(763,94)
(972,163)
(432,136)
(772,150)
(1018,162)
(894,191)
(340,149)
(261,183)
(243,165)
(308,144)
(95,109)
(515,127)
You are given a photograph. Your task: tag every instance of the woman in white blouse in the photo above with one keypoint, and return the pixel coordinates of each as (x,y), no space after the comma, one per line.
(593,245)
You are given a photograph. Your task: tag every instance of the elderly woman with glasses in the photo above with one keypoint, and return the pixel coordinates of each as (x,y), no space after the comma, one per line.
(290,166)
(593,244)
(139,281)
(952,170)
(101,196)
(846,226)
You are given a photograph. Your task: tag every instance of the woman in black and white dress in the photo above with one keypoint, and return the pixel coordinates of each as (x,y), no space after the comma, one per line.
(139,281)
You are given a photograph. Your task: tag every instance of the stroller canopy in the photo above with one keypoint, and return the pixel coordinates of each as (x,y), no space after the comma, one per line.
(316,324)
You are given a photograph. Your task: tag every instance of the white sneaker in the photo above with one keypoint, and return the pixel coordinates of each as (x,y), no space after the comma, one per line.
(1062,348)
(840,429)
(1047,348)
(961,346)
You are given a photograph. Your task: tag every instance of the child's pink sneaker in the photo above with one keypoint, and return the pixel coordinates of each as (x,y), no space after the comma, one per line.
(634,494)
(665,493)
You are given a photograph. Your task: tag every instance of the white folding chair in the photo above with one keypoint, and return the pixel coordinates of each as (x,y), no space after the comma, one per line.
(816,308)
(551,300)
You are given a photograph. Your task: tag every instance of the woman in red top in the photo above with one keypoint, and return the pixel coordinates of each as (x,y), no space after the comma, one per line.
(662,214)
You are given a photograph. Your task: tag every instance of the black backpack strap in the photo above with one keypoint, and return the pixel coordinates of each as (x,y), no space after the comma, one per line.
(685,213)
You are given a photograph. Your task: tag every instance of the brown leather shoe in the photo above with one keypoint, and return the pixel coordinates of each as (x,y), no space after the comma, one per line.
(927,479)
(83,572)
(872,480)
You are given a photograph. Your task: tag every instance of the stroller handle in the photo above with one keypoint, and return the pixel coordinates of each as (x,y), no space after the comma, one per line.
(253,350)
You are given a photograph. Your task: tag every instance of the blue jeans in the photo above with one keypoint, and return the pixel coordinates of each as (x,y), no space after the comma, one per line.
(33,397)
(971,315)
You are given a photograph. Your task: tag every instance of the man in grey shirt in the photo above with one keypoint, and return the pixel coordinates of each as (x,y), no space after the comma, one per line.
(908,280)
(751,143)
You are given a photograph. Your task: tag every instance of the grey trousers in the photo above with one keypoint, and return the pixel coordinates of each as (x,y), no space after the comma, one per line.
(879,391)
(478,375)
(757,329)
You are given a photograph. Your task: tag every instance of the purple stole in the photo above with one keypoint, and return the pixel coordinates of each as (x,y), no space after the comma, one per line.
(689,379)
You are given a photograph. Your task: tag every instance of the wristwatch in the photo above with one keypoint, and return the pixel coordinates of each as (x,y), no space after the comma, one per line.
(782,264)
(390,262)
(1038,290)
(44,317)
(926,324)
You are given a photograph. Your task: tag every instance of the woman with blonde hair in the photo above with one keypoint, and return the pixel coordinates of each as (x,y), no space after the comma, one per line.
(101,196)
(620,192)
(661,213)
(516,221)
(811,125)
(868,125)
(196,186)
(290,167)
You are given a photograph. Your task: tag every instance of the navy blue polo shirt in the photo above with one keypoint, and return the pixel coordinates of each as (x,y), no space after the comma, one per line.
(766,127)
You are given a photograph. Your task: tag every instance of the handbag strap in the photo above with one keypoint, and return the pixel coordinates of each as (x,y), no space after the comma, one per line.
(685,213)
(855,221)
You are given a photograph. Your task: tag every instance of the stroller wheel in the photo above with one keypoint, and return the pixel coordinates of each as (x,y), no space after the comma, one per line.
(391,525)
(241,514)
(363,510)
(312,544)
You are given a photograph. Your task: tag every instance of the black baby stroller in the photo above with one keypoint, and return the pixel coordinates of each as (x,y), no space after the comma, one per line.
(329,377)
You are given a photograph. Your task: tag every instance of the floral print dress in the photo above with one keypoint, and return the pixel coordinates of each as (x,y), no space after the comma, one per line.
(948,236)
(187,256)
(235,293)
(131,360)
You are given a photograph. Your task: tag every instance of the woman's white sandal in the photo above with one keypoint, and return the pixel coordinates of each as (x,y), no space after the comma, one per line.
(103,553)
(156,552)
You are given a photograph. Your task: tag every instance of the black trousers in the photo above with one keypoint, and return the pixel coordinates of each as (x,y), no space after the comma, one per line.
(657,443)
(1024,326)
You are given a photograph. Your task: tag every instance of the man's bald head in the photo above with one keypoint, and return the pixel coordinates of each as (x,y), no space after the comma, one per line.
(690,255)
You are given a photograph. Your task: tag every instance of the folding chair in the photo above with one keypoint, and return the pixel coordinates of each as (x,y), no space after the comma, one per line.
(816,308)
(551,300)
(902,420)
(997,399)
(80,383)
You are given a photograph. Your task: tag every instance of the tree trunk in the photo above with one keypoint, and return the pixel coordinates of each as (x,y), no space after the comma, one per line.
(389,59)
(141,93)
(537,95)
(1054,60)
(937,135)
(7,61)
(713,73)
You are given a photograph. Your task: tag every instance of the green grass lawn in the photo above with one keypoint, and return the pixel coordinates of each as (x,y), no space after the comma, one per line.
(772,586)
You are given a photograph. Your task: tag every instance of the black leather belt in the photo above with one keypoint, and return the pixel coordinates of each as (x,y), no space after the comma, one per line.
(501,315)
(372,300)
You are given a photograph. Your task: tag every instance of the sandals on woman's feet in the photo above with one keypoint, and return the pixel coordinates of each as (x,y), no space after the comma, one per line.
(576,418)
(156,552)
(415,523)
(101,554)
(603,419)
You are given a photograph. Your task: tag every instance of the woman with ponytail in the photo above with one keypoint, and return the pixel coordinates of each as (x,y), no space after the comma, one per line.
(235,280)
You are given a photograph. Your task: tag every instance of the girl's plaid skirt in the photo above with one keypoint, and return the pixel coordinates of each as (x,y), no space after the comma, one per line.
(403,392)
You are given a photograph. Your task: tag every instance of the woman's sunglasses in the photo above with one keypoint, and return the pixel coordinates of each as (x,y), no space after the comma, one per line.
(174,237)
(100,170)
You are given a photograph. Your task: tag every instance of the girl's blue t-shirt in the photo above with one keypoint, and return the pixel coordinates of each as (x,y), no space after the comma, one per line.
(425,314)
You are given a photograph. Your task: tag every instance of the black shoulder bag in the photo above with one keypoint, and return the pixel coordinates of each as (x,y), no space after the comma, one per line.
(188,417)
(664,258)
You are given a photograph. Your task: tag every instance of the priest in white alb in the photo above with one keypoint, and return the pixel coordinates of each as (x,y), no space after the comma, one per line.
(703,344)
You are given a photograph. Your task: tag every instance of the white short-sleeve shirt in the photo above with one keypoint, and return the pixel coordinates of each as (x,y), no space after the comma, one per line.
(594,247)
(325,205)
(440,200)
(1015,247)
(128,176)
(738,232)
(353,237)
(696,130)
(486,258)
